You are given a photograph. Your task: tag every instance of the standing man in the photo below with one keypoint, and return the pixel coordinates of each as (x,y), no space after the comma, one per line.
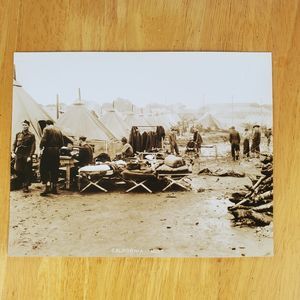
(268,135)
(246,144)
(173,141)
(256,141)
(23,149)
(50,145)
(197,139)
(234,139)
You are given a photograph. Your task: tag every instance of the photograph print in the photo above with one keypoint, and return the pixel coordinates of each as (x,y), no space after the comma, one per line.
(141,154)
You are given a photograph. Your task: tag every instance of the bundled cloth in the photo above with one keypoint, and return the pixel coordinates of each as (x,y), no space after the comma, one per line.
(138,175)
(174,161)
(164,169)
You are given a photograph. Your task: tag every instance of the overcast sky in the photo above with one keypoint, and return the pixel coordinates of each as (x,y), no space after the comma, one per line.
(192,78)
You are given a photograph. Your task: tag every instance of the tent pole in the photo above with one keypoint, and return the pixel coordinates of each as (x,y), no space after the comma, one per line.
(15,75)
(57,107)
(79,95)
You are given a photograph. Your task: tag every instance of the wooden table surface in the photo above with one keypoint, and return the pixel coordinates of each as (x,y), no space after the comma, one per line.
(225,25)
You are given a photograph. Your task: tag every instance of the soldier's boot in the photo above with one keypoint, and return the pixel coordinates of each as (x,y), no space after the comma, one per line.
(54,189)
(25,188)
(46,191)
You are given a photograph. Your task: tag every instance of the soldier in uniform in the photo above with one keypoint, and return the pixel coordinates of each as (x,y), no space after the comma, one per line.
(23,149)
(246,143)
(234,139)
(268,135)
(85,156)
(127,150)
(50,145)
(197,139)
(173,141)
(255,147)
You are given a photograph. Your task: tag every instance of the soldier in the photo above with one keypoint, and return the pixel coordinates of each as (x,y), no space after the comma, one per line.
(234,139)
(173,141)
(197,139)
(85,156)
(50,145)
(246,143)
(23,149)
(268,135)
(127,150)
(255,147)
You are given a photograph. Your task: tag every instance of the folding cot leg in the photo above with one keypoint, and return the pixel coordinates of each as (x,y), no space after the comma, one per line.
(171,182)
(174,182)
(145,187)
(94,184)
(99,186)
(88,185)
(137,185)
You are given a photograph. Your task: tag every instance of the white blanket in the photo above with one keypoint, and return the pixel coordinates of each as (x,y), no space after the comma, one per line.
(94,169)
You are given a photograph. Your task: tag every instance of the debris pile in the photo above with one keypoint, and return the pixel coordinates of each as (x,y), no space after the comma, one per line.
(221,172)
(255,206)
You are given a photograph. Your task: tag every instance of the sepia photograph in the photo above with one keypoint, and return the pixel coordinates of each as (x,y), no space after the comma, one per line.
(141,154)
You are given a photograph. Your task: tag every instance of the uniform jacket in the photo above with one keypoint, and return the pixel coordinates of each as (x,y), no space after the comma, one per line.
(197,138)
(234,137)
(85,156)
(127,150)
(24,145)
(256,138)
(52,138)
(172,138)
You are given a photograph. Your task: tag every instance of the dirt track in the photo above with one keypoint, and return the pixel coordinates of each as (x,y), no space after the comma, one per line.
(174,223)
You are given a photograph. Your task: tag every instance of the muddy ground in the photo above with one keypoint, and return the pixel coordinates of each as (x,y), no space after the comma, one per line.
(173,223)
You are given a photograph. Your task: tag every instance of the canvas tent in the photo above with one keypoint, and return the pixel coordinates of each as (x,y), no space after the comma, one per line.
(153,119)
(172,118)
(133,119)
(79,121)
(26,108)
(113,121)
(166,120)
(208,121)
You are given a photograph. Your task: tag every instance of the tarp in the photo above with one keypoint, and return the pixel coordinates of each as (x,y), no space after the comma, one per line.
(79,121)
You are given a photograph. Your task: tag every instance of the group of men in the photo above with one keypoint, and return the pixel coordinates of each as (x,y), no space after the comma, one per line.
(195,143)
(52,141)
(24,148)
(235,140)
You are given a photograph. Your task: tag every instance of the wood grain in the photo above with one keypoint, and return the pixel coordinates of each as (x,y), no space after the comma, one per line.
(229,25)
